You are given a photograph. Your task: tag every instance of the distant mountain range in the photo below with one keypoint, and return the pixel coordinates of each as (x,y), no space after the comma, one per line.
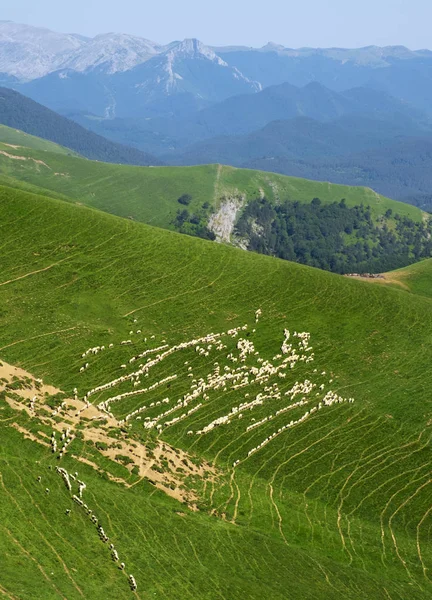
(243,114)
(356,116)
(118,75)
(247,113)
(186,77)
(301,138)
(29,52)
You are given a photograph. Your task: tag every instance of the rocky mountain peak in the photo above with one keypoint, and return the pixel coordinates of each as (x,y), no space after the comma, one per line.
(193,48)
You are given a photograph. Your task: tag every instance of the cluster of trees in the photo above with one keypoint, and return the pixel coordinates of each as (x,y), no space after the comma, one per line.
(193,223)
(334,237)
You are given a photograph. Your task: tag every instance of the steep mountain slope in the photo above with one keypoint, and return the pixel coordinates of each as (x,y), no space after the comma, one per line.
(322,504)
(187,69)
(21,113)
(66,91)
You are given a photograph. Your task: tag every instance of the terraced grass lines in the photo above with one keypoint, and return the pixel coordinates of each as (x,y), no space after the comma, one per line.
(337,505)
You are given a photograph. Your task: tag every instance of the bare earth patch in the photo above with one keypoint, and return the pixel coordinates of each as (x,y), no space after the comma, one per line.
(391,278)
(164,466)
(16,157)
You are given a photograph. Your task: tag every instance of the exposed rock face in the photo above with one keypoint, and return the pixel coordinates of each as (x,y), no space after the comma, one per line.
(223,221)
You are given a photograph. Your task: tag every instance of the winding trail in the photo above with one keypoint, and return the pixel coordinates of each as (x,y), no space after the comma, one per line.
(33,273)
(59,558)
(26,553)
(7,594)
(278,514)
(35,337)
(418,542)
(216,185)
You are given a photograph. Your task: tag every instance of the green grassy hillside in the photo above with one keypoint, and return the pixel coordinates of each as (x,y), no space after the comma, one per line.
(150,194)
(15,137)
(336,504)
(416,278)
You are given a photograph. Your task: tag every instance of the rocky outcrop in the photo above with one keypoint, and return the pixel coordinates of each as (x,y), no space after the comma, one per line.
(222,222)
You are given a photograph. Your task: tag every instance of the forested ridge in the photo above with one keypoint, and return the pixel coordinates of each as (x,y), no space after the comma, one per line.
(334,237)
(24,114)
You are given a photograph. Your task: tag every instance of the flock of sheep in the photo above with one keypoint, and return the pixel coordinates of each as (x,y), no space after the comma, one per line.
(248,369)
(68,478)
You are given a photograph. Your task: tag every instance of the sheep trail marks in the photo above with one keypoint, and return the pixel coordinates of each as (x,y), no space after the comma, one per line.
(216,393)
(33,272)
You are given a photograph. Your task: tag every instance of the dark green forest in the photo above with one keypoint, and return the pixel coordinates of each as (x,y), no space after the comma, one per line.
(334,237)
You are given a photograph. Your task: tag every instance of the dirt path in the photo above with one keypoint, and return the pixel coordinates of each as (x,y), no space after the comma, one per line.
(32,273)
(216,185)
(9,371)
(7,594)
(35,337)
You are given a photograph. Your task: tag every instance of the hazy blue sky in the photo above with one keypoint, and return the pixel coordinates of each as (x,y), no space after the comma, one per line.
(348,23)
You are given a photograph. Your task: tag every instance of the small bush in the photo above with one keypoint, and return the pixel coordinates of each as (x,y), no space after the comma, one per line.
(123,459)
